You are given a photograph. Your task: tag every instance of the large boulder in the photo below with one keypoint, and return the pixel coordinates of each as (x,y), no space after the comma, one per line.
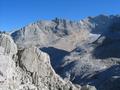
(7,72)
(11,75)
(7,65)
(43,76)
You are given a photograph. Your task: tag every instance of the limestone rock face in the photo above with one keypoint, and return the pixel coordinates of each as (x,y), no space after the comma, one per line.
(43,76)
(7,66)
(8,44)
(7,71)
(10,73)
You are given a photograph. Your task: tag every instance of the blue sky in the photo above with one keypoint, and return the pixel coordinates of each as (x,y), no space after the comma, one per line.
(18,13)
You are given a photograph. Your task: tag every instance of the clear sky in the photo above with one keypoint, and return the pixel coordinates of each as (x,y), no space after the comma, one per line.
(17,13)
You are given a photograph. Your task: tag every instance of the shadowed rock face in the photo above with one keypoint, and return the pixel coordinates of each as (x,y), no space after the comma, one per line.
(56,56)
(108,49)
(107,79)
(107,45)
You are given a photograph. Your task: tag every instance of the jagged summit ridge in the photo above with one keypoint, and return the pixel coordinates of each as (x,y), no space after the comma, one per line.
(57,31)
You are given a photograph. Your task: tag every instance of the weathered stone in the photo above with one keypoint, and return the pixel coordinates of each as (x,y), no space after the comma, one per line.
(88,87)
(10,74)
(38,64)
(8,44)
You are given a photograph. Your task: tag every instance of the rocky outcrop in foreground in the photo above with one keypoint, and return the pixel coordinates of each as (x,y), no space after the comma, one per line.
(37,64)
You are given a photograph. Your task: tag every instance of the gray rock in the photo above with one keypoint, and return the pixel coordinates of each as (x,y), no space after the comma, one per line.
(43,76)
(8,44)
(88,87)
(11,75)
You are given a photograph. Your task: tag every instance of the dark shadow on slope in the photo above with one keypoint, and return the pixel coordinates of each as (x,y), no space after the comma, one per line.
(104,23)
(108,49)
(56,56)
(68,68)
(108,78)
(110,45)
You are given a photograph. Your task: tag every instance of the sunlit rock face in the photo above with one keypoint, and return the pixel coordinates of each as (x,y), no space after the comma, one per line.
(10,74)
(43,76)
(7,44)
(7,70)
(7,66)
